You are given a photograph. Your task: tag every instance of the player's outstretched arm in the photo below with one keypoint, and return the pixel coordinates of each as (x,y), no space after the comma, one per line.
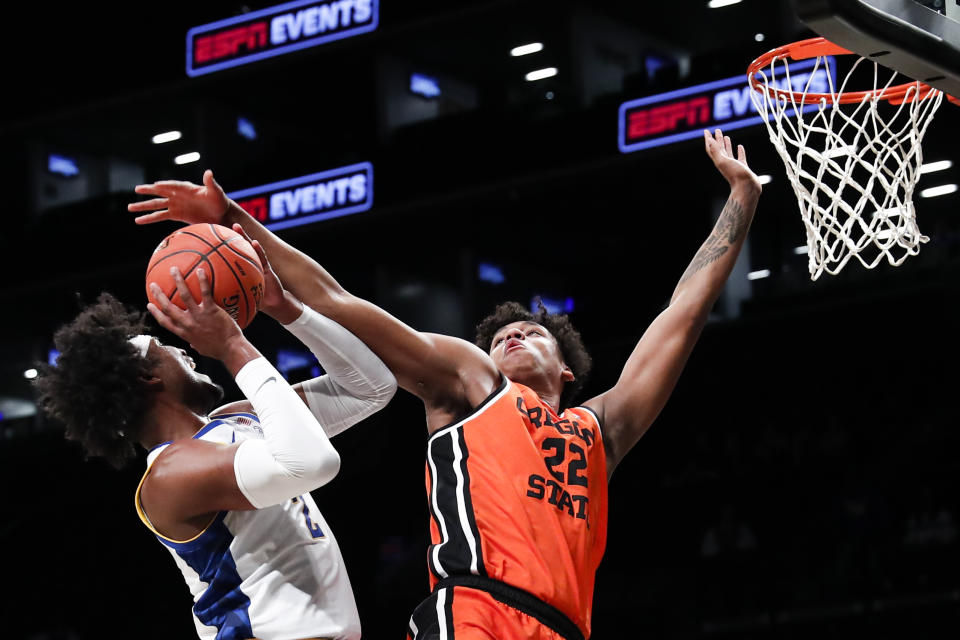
(449,374)
(356,384)
(652,370)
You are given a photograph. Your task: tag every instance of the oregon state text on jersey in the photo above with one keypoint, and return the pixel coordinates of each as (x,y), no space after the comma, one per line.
(267,573)
(518,494)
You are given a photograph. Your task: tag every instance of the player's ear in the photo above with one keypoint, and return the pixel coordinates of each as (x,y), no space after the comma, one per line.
(153,381)
(566,373)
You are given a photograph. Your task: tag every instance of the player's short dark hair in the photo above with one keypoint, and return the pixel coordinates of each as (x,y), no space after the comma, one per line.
(568,338)
(96,388)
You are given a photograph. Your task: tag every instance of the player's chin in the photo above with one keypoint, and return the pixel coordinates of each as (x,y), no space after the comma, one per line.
(201,394)
(202,378)
(516,369)
(213,393)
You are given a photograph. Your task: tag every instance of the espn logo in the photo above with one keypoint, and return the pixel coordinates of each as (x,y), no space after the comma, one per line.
(275,31)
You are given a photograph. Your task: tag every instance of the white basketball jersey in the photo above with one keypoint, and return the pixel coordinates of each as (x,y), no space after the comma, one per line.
(273,573)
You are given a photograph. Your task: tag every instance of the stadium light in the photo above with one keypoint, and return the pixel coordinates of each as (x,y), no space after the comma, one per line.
(526,49)
(169,136)
(942,190)
(540,74)
(940,165)
(187,158)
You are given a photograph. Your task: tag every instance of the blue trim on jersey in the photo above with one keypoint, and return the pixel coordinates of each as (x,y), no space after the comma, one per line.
(205,540)
(222,419)
(223,605)
(162,444)
(216,422)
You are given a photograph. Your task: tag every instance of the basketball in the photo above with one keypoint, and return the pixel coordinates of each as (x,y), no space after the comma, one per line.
(231,265)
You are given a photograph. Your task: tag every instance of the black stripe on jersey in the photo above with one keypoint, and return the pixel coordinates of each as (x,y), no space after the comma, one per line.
(460,548)
(448,613)
(471,523)
(454,554)
(594,414)
(433,514)
(425,622)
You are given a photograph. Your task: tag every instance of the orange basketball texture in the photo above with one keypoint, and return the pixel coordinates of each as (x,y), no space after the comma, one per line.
(231,265)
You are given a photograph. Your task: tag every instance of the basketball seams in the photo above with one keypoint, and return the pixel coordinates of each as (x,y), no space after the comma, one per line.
(225,242)
(194,247)
(216,232)
(199,237)
(239,253)
(201,259)
(240,283)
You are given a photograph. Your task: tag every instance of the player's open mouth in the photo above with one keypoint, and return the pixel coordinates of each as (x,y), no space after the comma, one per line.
(513,345)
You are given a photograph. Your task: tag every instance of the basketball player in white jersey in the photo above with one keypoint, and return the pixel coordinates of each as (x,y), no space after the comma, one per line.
(226,491)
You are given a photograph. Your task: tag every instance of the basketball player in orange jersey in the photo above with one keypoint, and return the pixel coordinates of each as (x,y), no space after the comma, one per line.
(516,477)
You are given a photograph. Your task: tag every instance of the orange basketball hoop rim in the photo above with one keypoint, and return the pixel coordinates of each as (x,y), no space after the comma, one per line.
(819,47)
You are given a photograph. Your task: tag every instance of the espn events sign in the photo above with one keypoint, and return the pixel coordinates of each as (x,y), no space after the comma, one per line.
(275,31)
(318,196)
(684,114)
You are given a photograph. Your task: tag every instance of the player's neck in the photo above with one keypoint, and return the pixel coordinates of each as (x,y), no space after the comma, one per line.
(171,420)
(545,389)
(548,396)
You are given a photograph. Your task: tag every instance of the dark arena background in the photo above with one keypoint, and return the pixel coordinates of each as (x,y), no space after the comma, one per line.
(802,481)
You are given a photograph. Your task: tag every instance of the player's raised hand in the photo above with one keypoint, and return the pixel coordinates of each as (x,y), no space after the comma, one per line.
(206,326)
(182,201)
(272,287)
(732,167)
(275,301)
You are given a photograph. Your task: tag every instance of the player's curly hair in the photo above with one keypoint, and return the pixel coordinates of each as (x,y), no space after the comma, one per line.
(568,338)
(96,388)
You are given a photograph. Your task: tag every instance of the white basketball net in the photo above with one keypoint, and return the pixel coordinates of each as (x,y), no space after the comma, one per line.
(853,166)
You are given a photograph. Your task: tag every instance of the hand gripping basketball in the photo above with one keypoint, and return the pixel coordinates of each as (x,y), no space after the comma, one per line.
(273,291)
(204,324)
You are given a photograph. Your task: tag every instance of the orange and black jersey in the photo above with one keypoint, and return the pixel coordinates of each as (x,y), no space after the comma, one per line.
(518,494)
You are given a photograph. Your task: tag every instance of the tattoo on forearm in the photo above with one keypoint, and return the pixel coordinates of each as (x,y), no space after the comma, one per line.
(730,228)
